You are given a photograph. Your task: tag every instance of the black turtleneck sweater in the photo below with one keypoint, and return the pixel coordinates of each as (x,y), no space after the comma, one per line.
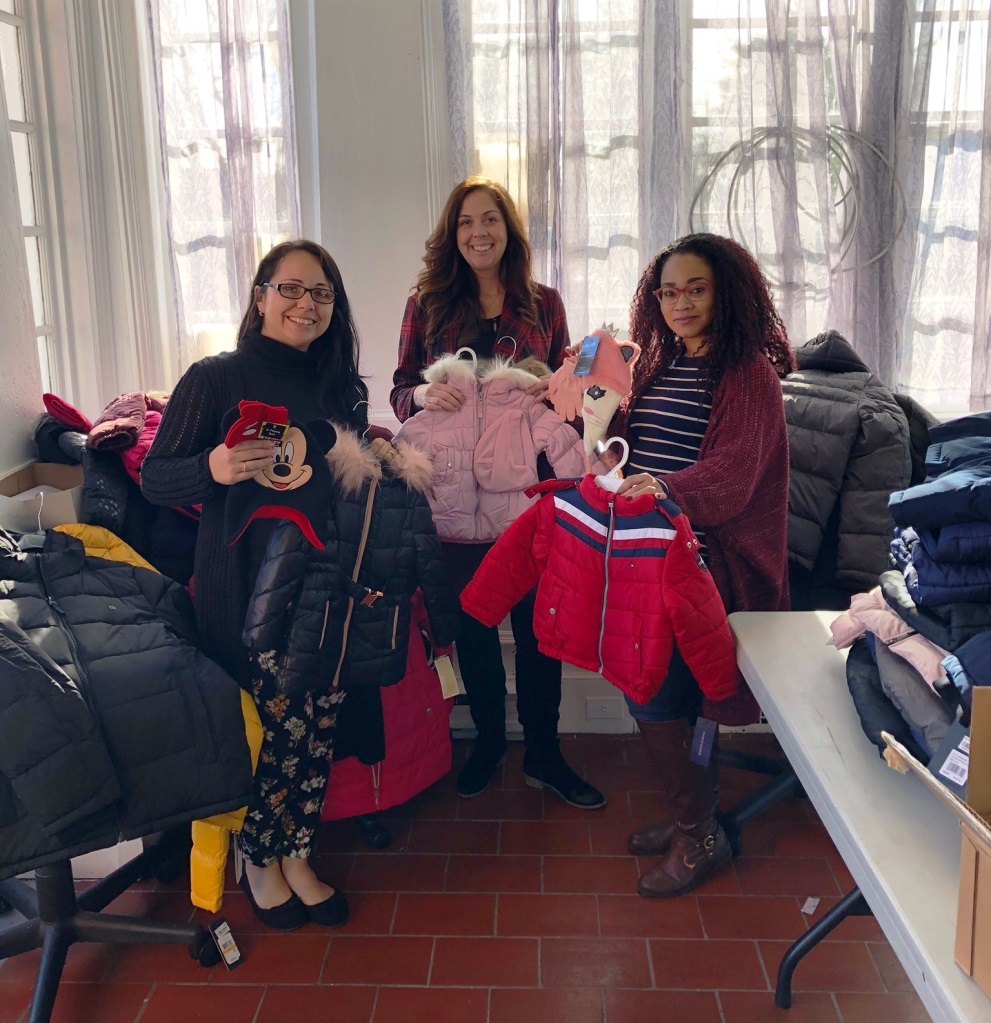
(176,472)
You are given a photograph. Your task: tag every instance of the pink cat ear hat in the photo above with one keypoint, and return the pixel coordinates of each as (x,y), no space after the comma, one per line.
(598,395)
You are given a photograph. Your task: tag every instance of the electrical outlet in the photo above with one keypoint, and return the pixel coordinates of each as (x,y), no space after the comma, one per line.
(600,708)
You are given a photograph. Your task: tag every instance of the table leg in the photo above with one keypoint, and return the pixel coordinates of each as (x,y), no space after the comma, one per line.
(852,904)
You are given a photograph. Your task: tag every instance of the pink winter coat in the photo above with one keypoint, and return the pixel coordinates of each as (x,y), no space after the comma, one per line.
(484,455)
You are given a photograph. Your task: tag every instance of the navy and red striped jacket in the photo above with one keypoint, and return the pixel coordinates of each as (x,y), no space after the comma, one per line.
(619,581)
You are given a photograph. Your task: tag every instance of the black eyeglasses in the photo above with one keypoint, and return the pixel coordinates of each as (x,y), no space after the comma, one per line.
(324,296)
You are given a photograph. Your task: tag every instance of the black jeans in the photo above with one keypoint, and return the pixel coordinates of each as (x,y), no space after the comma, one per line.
(538,677)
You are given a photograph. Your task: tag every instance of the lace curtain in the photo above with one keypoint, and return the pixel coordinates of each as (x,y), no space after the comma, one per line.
(846,143)
(223,80)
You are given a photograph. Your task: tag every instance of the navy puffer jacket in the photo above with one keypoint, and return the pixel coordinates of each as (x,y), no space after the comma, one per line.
(113,725)
(312,616)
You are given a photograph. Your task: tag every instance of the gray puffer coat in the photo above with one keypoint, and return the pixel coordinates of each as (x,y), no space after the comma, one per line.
(849,443)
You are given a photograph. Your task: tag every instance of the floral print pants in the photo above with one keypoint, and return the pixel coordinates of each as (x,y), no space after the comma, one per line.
(293,767)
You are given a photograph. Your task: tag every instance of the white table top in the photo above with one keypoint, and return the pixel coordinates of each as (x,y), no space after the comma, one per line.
(901,845)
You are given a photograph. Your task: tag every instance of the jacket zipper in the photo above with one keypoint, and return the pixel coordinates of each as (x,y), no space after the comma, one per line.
(605,584)
(59,615)
(369,504)
(479,417)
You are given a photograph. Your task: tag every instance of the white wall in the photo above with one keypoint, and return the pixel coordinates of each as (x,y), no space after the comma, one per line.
(364,121)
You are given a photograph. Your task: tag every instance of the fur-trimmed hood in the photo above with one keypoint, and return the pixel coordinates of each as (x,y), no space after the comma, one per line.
(460,372)
(352,462)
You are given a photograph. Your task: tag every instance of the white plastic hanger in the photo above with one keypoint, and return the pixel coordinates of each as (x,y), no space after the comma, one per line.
(507,337)
(470,352)
(612,479)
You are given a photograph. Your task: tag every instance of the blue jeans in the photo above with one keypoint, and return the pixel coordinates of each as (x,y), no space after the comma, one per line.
(678,698)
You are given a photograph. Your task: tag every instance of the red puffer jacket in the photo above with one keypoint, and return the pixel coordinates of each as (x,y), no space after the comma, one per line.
(620,581)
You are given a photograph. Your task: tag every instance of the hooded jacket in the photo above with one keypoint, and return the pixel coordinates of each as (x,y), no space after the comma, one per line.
(112,724)
(345,610)
(484,455)
(849,444)
(619,582)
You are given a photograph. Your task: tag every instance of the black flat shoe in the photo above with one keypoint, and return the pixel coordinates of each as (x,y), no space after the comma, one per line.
(332,912)
(287,916)
(556,776)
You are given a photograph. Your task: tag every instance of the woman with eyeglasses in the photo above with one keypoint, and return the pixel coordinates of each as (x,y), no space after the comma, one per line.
(706,428)
(297,346)
(476,290)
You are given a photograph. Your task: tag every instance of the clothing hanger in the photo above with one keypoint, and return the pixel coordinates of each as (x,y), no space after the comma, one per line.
(614,477)
(364,401)
(473,355)
(33,541)
(507,337)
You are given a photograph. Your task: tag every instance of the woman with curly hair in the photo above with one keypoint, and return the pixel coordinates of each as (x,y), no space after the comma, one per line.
(476,290)
(706,427)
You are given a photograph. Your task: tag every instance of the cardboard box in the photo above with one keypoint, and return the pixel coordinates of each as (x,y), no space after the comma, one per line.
(42,493)
(972,949)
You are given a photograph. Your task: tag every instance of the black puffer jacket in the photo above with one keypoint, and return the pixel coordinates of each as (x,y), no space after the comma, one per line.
(849,443)
(112,724)
(308,609)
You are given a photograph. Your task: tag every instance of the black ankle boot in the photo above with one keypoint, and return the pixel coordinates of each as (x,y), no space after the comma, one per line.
(480,768)
(375,834)
(547,769)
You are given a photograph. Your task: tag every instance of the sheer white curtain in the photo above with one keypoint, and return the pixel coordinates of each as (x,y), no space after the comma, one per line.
(845,142)
(224,86)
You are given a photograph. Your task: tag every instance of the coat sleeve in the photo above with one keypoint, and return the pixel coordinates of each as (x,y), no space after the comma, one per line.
(176,470)
(277,589)
(698,617)
(557,322)
(512,567)
(431,576)
(558,440)
(412,359)
(720,485)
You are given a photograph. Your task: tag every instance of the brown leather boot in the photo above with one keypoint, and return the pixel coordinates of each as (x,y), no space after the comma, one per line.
(668,743)
(698,845)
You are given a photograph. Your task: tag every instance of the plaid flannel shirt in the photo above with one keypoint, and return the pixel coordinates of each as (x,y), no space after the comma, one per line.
(546,342)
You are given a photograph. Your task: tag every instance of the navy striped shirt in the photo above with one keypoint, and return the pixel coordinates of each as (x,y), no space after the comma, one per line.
(668,423)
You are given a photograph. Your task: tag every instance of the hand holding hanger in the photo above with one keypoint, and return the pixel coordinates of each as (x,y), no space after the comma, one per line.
(441,397)
(642,483)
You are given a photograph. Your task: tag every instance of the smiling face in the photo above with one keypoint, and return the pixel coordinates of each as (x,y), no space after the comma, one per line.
(687,296)
(295,322)
(482,234)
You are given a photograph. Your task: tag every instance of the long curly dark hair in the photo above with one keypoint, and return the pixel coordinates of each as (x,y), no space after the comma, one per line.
(344,395)
(744,320)
(447,289)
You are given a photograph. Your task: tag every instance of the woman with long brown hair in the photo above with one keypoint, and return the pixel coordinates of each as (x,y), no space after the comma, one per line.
(476,290)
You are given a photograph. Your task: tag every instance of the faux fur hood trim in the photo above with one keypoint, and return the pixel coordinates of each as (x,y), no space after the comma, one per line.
(354,462)
(460,371)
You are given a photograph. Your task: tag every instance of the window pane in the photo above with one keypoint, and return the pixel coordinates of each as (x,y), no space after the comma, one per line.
(45,360)
(7,5)
(25,182)
(10,57)
(33,248)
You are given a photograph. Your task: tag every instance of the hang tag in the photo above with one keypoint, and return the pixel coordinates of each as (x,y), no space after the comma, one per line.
(702,740)
(951,761)
(220,931)
(238,862)
(450,684)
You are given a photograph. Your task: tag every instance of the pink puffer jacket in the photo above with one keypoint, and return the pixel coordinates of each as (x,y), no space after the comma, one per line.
(484,455)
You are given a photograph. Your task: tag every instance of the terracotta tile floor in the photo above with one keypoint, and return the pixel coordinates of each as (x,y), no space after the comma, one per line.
(512,908)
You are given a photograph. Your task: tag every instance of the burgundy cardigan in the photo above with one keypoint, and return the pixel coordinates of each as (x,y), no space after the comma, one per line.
(737,494)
